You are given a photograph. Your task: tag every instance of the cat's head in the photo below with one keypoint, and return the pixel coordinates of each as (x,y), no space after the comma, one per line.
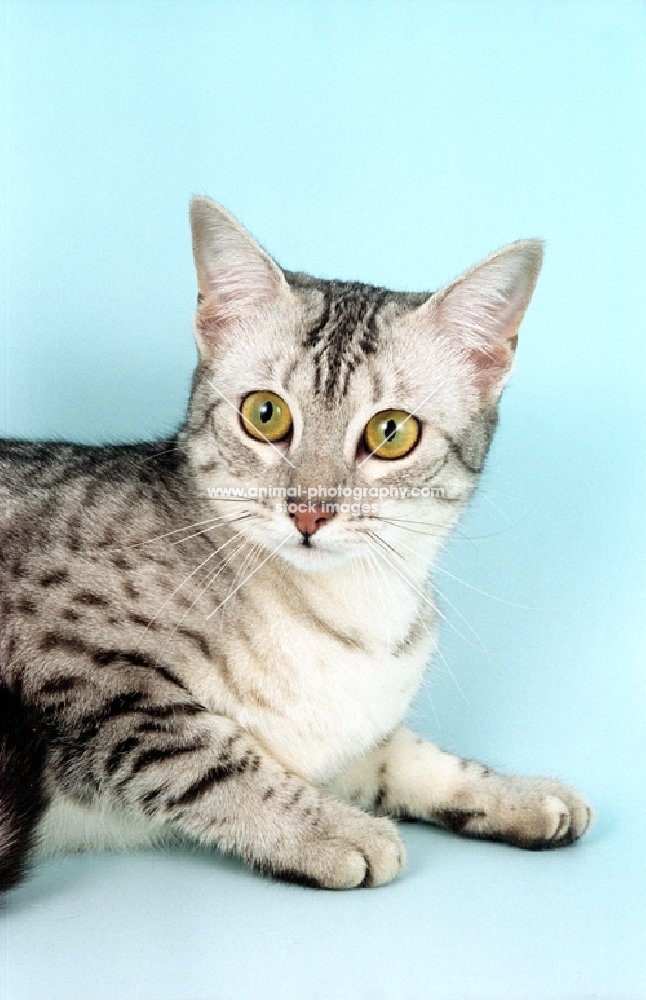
(345,416)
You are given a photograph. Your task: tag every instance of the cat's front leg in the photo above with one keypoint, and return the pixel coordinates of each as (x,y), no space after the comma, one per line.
(408,776)
(207,777)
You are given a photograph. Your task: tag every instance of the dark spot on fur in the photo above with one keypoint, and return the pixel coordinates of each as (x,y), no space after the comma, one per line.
(122,704)
(455,819)
(169,676)
(296,797)
(55,578)
(90,599)
(60,685)
(105,657)
(73,538)
(119,561)
(198,639)
(169,711)
(146,623)
(27,605)
(148,800)
(109,538)
(368,878)
(155,755)
(120,657)
(118,753)
(17,570)
(204,784)
(291,875)
(379,798)
(68,644)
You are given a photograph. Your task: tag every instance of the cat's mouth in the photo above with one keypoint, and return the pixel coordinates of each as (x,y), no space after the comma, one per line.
(310,554)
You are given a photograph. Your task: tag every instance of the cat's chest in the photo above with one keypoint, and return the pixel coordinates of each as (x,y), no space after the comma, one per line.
(319,689)
(342,703)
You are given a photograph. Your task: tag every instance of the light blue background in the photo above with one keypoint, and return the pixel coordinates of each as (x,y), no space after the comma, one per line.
(396,143)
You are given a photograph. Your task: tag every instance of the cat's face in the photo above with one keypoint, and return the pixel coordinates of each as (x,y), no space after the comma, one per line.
(334,418)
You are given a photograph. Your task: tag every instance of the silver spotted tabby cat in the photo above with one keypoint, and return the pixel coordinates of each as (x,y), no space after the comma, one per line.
(215,638)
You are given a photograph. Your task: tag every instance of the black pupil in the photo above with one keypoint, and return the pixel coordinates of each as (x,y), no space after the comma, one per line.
(390,429)
(266,412)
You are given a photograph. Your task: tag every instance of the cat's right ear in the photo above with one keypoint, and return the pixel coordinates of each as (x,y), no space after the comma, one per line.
(236,278)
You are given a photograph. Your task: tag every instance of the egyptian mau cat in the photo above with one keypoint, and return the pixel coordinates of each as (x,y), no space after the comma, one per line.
(199,643)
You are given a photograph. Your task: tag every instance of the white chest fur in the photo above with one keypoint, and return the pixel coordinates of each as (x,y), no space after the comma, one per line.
(322,673)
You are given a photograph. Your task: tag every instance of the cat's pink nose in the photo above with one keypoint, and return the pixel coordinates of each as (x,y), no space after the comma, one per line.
(308,518)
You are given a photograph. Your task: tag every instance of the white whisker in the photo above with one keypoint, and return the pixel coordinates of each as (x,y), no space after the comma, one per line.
(452,676)
(501,600)
(492,504)
(242,568)
(225,519)
(210,578)
(496,493)
(424,596)
(379,570)
(176,531)
(443,596)
(211,555)
(436,609)
(266,559)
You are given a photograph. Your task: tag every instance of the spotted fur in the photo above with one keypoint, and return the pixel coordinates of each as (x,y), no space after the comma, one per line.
(176,665)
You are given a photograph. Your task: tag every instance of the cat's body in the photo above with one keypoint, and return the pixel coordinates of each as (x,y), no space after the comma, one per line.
(180,664)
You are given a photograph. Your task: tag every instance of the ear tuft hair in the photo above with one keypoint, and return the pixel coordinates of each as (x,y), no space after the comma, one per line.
(480,312)
(235,276)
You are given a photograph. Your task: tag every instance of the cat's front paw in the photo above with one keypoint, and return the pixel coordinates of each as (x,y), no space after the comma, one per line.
(533,813)
(342,849)
(568,815)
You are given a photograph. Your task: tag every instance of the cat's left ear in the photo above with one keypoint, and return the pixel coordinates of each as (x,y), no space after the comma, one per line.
(479,313)
(236,278)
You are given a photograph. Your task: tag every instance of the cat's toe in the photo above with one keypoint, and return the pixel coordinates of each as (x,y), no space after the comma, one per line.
(558,817)
(532,813)
(563,816)
(378,842)
(385,856)
(572,814)
(352,849)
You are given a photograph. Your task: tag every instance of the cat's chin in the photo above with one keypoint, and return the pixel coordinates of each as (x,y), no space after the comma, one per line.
(313,559)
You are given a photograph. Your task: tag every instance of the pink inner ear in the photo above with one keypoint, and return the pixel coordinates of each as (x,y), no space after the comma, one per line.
(236,277)
(492,365)
(480,313)
(234,286)
(493,362)
(210,318)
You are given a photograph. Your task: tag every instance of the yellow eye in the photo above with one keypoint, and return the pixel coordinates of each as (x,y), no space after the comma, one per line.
(391,434)
(265,416)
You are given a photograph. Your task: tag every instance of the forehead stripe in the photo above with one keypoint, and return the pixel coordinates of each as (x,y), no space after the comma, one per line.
(344,335)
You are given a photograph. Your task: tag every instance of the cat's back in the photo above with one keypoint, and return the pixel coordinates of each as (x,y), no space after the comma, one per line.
(50,478)
(79,499)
